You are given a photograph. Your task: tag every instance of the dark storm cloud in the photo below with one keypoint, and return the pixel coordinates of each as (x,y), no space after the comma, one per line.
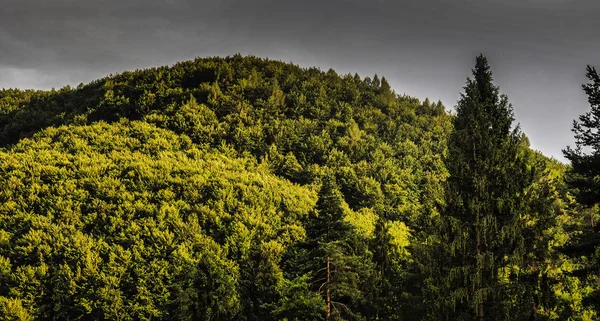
(538,49)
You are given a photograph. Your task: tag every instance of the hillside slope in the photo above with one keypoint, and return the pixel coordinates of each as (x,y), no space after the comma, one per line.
(216,189)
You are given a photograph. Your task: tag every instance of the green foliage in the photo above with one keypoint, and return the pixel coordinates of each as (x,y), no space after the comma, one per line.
(335,257)
(584,178)
(128,221)
(479,229)
(219,188)
(585,159)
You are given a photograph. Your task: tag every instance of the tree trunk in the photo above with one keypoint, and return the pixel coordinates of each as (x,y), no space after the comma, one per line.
(328,299)
(480,312)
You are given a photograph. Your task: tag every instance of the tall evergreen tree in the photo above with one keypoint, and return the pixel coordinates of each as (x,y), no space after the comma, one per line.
(338,260)
(584,178)
(585,173)
(391,298)
(487,178)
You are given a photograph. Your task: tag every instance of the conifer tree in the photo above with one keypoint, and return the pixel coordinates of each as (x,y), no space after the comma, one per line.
(585,173)
(487,178)
(584,178)
(337,259)
(389,299)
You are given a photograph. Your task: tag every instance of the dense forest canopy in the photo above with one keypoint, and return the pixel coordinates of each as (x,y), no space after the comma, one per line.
(241,188)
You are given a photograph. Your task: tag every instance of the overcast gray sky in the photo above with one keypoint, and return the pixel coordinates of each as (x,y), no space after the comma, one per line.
(538,49)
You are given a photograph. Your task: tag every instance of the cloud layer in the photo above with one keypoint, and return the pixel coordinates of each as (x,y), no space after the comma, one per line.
(537,49)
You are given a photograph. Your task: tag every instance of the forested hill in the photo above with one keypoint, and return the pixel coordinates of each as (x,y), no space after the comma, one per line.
(241,188)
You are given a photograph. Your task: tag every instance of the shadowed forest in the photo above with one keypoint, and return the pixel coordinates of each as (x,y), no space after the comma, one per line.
(241,188)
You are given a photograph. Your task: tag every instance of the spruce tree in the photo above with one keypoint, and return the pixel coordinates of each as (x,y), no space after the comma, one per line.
(585,172)
(390,300)
(337,259)
(584,178)
(487,178)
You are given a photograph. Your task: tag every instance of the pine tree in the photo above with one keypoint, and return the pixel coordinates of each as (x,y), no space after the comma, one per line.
(337,259)
(584,178)
(487,178)
(389,299)
(585,173)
